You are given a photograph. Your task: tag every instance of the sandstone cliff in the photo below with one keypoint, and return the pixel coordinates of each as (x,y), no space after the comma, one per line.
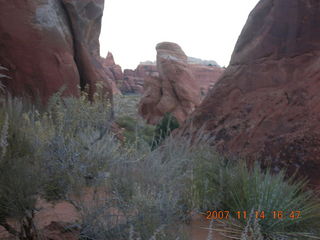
(266,104)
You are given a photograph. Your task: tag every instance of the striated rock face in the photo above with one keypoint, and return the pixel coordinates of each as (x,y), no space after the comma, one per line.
(46,44)
(133,80)
(175,90)
(267,102)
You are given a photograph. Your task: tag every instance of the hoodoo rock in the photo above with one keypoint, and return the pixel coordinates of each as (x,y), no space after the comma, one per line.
(175,90)
(49,44)
(266,104)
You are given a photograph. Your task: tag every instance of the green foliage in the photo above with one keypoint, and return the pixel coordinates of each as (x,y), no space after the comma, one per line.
(163,129)
(136,131)
(224,184)
(19,186)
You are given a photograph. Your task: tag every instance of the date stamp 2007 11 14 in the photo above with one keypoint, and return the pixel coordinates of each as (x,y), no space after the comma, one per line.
(221,215)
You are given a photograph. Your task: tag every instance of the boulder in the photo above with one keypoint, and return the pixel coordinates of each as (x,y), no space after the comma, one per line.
(266,104)
(48,44)
(179,91)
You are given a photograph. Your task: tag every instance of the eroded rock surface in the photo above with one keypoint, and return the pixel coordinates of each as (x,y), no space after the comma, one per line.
(48,44)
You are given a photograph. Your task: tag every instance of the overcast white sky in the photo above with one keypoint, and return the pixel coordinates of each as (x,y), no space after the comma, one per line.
(206,29)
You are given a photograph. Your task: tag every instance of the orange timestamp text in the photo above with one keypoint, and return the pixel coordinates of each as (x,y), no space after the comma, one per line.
(221,215)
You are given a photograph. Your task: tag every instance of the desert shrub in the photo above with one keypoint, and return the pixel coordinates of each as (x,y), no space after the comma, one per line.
(149,189)
(126,105)
(19,185)
(224,184)
(136,131)
(264,191)
(163,129)
(208,182)
(80,144)
(52,153)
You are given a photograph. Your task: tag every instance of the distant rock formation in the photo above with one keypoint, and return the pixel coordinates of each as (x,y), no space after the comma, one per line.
(193,60)
(133,80)
(206,72)
(175,90)
(266,104)
(112,69)
(113,72)
(49,44)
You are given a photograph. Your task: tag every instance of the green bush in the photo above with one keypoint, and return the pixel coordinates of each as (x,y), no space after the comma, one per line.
(163,129)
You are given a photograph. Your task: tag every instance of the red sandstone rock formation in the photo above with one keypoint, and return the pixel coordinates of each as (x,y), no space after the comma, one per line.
(112,69)
(133,80)
(175,90)
(267,102)
(206,76)
(113,72)
(50,43)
